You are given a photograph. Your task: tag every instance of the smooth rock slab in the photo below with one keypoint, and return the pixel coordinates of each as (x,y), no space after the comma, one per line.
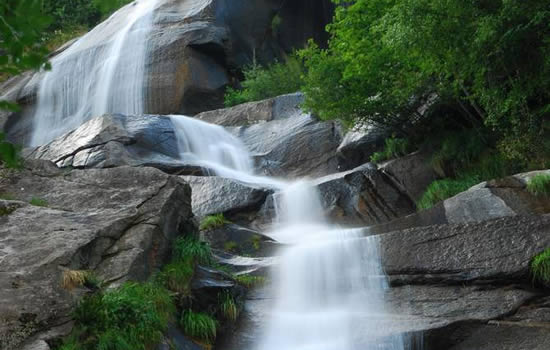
(116,222)
(494,250)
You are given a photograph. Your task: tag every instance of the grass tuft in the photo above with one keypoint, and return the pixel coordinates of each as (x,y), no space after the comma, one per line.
(72,279)
(250,281)
(228,306)
(540,267)
(38,202)
(199,326)
(440,190)
(394,147)
(177,276)
(190,248)
(539,185)
(212,222)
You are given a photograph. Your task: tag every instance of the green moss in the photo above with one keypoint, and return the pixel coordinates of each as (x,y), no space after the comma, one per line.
(6,210)
(38,202)
(250,281)
(256,242)
(230,246)
(540,267)
(440,190)
(7,197)
(539,185)
(212,222)
(199,326)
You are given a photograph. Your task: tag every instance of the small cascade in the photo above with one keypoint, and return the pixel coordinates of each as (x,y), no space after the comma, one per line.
(89,79)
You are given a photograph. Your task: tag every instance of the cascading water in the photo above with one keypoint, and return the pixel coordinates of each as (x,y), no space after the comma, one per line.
(89,79)
(329,285)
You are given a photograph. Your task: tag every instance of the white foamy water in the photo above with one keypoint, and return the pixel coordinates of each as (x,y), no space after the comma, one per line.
(91,78)
(329,284)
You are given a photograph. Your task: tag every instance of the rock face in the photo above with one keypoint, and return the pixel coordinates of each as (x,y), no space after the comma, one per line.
(196,50)
(360,143)
(118,223)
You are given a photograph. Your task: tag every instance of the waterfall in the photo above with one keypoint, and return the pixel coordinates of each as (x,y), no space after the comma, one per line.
(89,79)
(330,284)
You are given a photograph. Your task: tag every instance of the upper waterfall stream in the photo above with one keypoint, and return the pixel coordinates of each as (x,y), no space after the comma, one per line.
(329,284)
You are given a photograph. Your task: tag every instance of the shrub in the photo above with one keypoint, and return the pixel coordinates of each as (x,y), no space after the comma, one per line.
(394,147)
(228,306)
(38,202)
(540,267)
(199,326)
(212,222)
(133,316)
(440,190)
(539,185)
(266,82)
(189,248)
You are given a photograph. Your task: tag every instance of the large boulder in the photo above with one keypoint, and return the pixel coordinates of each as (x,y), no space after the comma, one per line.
(118,223)
(360,143)
(195,49)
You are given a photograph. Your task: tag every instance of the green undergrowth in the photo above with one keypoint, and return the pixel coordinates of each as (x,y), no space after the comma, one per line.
(440,190)
(199,326)
(250,281)
(9,154)
(393,148)
(212,222)
(540,267)
(539,185)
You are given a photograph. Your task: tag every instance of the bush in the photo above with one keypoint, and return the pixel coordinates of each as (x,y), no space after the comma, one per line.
(199,326)
(539,185)
(540,267)
(440,190)
(212,222)
(394,147)
(265,82)
(133,316)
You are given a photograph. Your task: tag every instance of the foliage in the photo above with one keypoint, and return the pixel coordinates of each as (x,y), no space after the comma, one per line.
(38,202)
(250,281)
(539,185)
(486,60)
(71,279)
(394,147)
(57,38)
(133,316)
(199,326)
(9,156)
(540,267)
(265,82)
(177,276)
(440,190)
(190,248)
(228,306)
(212,222)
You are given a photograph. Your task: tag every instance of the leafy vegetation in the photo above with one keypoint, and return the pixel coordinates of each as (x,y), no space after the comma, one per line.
(133,316)
(212,222)
(540,267)
(265,82)
(9,156)
(394,147)
(539,185)
(199,326)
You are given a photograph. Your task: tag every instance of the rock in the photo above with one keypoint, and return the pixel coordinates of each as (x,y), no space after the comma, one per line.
(118,223)
(363,196)
(500,249)
(413,173)
(196,49)
(360,143)
(214,195)
(115,140)
(239,240)
(293,147)
(281,107)
(494,337)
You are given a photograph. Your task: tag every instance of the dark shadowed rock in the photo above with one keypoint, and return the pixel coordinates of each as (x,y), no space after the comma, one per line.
(494,250)
(280,107)
(236,239)
(293,147)
(413,173)
(360,143)
(363,196)
(215,195)
(117,222)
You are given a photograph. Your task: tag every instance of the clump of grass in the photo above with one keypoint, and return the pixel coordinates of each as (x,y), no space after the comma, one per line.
(177,276)
(212,222)
(190,248)
(230,246)
(228,306)
(71,279)
(539,185)
(440,190)
(199,326)
(540,267)
(133,316)
(394,147)
(38,202)
(250,281)
(7,196)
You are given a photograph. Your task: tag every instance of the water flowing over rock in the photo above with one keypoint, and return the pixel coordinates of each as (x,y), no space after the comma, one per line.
(117,222)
